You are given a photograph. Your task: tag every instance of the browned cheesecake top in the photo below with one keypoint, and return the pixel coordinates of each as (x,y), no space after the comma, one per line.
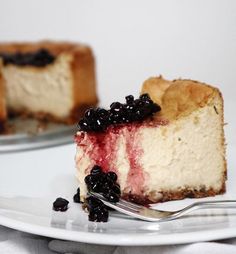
(179,97)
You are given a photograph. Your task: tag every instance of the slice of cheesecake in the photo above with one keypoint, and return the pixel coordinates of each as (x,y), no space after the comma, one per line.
(48,80)
(176,153)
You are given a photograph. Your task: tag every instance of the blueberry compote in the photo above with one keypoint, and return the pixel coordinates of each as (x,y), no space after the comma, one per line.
(104,183)
(39,58)
(134,110)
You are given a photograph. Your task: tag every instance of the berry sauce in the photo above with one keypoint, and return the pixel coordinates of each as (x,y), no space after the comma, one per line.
(136,178)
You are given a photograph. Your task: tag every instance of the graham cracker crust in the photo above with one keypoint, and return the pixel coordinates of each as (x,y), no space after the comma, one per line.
(2,127)
(74,116)
(173,195)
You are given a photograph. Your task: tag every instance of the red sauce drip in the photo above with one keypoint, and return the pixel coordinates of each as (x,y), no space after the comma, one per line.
(135,179)
(102,149)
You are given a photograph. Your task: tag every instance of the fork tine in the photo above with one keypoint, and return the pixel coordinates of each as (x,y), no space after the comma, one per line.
(142,213)
(117,206)
(131,204)
(121,204)
(124,207)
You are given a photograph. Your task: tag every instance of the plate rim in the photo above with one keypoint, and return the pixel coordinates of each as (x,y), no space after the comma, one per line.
(108,239)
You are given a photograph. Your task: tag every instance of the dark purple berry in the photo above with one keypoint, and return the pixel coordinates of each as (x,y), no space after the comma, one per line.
(111,196)
(102,113)
(155,108)
(88,179)
(144,96)
(116,107)
(99,214)
(93,202)
(95,186)
(76,198)
(83,125)
(106,187)
(96,170)
(60,204)
(130,107)
(89,113)
(138,116)
(112,175)
(116,189)
(129,99)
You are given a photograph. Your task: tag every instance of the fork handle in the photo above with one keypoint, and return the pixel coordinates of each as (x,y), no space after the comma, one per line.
(209,205)
(215,204)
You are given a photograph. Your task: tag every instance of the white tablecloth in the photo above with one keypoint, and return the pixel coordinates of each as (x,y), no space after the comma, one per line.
(15,242)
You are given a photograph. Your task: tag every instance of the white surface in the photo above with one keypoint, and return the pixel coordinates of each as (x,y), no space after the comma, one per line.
(30,182)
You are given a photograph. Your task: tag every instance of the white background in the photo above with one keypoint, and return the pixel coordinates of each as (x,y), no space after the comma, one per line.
(136,39)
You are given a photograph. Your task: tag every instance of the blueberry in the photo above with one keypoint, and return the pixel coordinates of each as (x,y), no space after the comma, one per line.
(60,204)
(83,125)
(138,115)
(116,107)
(90,113)
(106,187)
(95,186)
(96,170)
(111,196)
(116,189)
(129,99)
(93,202)
(88,179)
(130,107)
(102,113)
(98,125)
(112,175)
(99,214)
(115,118)
(144,96)
(76,198)
(155,108)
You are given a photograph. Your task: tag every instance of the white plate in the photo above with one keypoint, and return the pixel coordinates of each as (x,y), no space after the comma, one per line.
(29,134)
(30,182)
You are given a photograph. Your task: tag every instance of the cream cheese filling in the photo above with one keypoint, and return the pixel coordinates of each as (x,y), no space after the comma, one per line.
(47,89)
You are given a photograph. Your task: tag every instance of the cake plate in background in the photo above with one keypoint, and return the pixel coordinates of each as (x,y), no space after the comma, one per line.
(29,134)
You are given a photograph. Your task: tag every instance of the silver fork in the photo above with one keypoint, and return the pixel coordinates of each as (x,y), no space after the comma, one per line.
(148,214)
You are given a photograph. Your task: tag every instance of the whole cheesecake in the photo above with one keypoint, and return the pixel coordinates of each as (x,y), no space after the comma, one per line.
(174,153)
(46,80)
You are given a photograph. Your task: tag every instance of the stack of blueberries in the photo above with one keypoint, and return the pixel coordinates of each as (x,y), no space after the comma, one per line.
(104,183)
(133,110)
(39,58)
